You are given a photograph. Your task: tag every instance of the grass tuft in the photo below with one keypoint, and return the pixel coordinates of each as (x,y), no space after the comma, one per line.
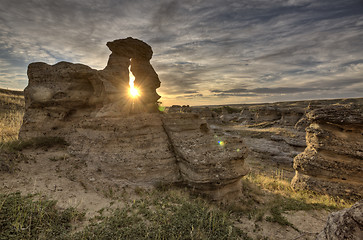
(158,215)
(282,198)
(164,215)
(302,199)
(21,217)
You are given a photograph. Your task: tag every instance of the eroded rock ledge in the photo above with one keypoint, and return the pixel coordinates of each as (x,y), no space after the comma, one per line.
(333,159)
(124,141)
(344,224)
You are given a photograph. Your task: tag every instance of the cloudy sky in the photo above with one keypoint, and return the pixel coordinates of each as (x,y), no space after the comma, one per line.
(205,51)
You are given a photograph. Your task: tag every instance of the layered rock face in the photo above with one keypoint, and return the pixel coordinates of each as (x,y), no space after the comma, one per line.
(270,113)
(124,141)
(207,164)
(345,224)
(333,159)
(133,150)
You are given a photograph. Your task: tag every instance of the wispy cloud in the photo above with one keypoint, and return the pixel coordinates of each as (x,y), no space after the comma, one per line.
(217,51)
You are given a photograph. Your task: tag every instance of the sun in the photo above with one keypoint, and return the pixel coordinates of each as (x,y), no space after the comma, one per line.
(134,92)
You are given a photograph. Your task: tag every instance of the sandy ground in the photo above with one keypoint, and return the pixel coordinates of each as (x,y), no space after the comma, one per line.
(60,177)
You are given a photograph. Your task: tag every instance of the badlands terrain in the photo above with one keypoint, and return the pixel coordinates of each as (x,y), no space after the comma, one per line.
(281,198)
(91,154)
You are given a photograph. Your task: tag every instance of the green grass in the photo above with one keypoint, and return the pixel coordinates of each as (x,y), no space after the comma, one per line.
(161,214)
(269,197)
(22,217)
(281,186)
(171,214)
(164,215)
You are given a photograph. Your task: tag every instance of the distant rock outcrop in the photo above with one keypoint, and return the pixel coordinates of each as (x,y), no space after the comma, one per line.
(345,224)
(333,159)
(125,141)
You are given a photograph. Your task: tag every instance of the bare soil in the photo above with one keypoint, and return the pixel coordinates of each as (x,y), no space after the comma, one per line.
(60,177)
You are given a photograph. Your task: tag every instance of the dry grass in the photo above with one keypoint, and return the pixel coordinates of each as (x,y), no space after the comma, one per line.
(25,217)
(267,198)
(11,118)
(171,214)
(279,185)
(11,115)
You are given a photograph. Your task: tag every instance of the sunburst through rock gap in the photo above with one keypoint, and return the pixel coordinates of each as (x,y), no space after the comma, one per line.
(134,92)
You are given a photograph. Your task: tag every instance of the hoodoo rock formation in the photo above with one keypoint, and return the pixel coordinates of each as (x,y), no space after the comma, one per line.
(137,54)
(66,90)
(333,159)
(123,140)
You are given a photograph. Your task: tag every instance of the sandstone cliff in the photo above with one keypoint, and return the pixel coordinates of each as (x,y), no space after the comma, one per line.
(206,161)
(124,140)
(333,159)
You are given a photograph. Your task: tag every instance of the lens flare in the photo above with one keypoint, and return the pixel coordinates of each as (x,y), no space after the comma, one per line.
(134,92)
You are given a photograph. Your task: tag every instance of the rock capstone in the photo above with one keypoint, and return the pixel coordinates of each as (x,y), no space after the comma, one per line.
(124,141)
